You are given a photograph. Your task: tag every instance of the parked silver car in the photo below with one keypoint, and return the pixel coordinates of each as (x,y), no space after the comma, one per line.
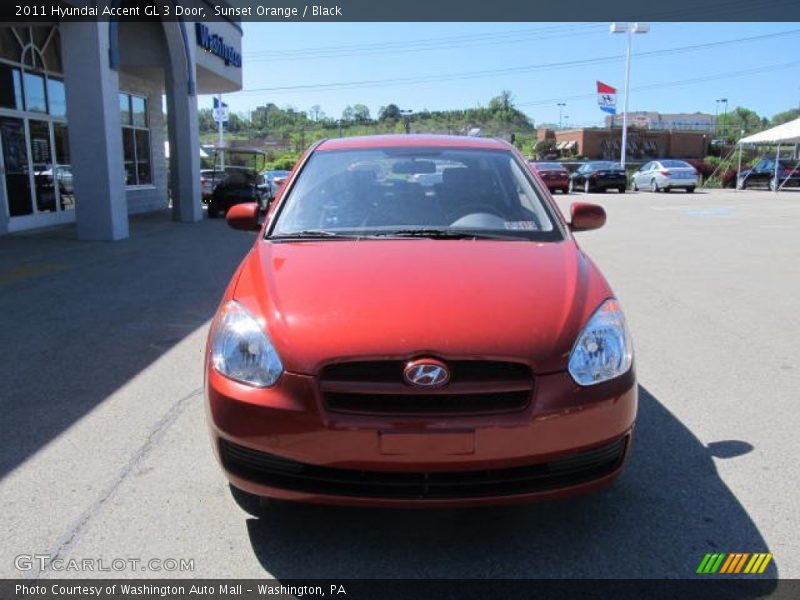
(665,175)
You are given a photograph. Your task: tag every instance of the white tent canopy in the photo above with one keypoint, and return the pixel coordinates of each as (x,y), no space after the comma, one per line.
(788,133)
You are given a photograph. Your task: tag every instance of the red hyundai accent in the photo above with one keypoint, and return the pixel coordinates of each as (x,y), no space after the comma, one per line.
(416,326)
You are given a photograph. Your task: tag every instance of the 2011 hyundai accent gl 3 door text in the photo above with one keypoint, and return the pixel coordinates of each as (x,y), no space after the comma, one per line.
(416,326)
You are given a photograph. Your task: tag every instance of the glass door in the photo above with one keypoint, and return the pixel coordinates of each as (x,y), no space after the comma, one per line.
(16,166)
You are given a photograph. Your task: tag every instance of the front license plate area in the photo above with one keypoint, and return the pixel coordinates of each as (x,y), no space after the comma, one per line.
(427,443)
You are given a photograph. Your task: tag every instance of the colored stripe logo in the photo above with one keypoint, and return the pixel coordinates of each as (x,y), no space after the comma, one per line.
(736,562)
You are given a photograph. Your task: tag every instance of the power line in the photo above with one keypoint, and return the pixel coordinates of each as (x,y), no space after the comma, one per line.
(494,38)
(420,41)
(652,86)
(526,68)
(435,45)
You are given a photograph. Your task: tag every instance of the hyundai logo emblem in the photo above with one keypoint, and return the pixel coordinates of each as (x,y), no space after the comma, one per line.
(426,373)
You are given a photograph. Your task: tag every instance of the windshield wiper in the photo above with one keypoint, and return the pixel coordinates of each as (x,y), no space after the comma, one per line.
(311,234)
(445,234)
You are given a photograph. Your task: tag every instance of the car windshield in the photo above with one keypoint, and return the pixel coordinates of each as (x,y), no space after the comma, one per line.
(415,192)
(548,165)
(676,164)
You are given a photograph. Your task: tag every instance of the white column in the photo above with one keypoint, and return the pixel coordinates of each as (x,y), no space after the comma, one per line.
(95,132)
(184,143)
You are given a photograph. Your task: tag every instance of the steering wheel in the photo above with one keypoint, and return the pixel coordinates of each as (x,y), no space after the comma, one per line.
(468,209)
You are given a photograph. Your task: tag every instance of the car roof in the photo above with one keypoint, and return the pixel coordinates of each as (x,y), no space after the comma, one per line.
(413,140)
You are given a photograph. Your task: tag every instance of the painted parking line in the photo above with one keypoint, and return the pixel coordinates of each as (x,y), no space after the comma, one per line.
(708,212)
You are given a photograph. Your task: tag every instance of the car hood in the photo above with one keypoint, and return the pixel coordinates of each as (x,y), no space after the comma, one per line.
(327,301)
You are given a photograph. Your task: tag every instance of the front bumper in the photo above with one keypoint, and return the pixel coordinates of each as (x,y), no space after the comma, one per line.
(283,443)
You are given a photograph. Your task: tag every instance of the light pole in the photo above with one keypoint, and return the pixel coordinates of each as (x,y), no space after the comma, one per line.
(561,106)
(725,117)
(629,29)
(566,119)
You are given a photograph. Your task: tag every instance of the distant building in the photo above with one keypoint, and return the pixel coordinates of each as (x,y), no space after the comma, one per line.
(665,122)
(643,144)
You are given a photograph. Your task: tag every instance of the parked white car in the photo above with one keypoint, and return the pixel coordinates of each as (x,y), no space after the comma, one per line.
(665,175)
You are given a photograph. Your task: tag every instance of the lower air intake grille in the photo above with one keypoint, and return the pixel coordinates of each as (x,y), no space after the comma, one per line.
(277,472)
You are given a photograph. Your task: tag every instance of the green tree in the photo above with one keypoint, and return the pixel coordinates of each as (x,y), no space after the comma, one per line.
(389,113)
(361,113)
(785,117)
(740,119)
(316,113)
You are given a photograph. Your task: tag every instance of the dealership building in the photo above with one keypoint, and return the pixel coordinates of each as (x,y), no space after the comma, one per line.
(83,126)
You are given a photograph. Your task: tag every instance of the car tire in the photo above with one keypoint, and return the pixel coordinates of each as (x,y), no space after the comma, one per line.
(654,186)
(621,190)
(252,504)
(690,189)
(586,187)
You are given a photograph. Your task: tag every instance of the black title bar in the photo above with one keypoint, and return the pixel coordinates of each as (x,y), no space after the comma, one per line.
(32,11)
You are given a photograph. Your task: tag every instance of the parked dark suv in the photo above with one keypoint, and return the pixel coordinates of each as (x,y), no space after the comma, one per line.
(763,175)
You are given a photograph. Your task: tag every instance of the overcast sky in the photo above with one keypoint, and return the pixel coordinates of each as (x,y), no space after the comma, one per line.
(457,65)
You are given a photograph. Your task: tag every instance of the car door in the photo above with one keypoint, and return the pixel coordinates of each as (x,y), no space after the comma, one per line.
(580,175)
(640,177)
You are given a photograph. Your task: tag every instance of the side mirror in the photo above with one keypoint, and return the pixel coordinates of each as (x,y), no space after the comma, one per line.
(586,216)
(244,216)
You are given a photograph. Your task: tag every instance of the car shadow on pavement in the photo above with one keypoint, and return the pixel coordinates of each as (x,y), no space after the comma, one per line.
(667,510)
(82,319)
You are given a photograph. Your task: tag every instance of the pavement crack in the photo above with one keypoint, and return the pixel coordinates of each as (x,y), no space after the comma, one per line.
(67,541)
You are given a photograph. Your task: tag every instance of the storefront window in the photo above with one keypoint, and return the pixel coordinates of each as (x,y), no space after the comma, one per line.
(135,139)
(129,155)
(35,99)
(139,111)
(143,156)
(125,109)
(63,167)
(56,98)
(10,87)
(9,46)
(44,171)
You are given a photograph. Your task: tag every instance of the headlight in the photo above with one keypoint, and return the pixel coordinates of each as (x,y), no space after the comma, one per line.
(241,349)
(603,349)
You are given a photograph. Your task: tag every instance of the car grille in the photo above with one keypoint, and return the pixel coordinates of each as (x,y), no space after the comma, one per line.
(377,387)
(274,471)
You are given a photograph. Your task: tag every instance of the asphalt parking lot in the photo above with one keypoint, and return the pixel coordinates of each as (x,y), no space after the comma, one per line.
(105,452)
